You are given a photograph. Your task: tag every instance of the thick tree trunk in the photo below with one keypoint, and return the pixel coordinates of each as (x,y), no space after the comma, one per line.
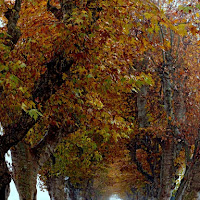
(144,123)
(168,147)
(72,192)
(143,120)
(5,179)
(25,170)
(190,184)
(60,188)
(56,187)
(88,192)
(167,169)
(192,187)
(27,161)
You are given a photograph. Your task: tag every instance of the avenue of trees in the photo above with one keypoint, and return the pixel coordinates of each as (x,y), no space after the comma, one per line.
(100,97)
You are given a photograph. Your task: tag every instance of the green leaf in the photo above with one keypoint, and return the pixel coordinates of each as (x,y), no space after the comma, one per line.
(139,83)
(14,78)
(2,35)
(185,8)
(123,80)
(91,35)
(34,113)
(198,6)
(79,21)
(23,65)
(89,76)
(148,80)
(2,67)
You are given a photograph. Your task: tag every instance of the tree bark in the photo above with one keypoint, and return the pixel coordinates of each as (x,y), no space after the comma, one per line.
(167,169)
(27,161)
(190,184)
(168,145)
(5,179)
(60,188)
(14,32)
(15,132)
(25,170)
(56,187)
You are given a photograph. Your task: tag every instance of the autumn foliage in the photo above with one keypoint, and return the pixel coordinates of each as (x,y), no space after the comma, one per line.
(103,92)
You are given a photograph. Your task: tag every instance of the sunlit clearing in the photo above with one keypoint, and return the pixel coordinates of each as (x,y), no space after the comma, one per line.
(114,197)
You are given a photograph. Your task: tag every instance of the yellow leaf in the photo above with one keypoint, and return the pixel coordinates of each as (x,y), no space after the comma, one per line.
(147,15)
(181,28)
(121,2)
(119,119)
(24,107)
(116,136)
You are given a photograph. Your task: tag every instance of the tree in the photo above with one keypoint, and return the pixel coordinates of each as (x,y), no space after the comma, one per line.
(78,77)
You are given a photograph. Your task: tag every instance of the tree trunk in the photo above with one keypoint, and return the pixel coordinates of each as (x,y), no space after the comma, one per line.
(56,187)
(5,179)
(144,123)
(27,161)
(168,147)
(88,192)
(25,170)
(72,192)
(167,169)
(192,186)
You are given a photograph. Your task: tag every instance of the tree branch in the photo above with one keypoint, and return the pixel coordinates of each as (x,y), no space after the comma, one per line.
(13,31)
(132,147)
(51,79)
(57,12)
(44,88)
(46,147)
